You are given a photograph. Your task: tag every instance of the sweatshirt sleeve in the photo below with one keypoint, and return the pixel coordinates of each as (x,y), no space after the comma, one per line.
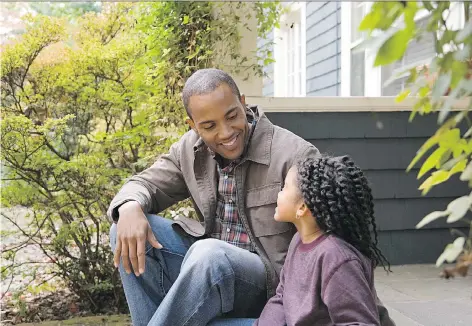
(273,313)
(349,298)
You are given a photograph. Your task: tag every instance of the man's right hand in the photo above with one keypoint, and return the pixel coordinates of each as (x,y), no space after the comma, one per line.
(133,230)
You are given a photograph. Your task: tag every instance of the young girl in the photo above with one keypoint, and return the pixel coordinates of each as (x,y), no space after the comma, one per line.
(328,275)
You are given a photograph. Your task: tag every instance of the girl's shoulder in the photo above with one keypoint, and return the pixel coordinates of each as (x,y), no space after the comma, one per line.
(335,251)
(328,250)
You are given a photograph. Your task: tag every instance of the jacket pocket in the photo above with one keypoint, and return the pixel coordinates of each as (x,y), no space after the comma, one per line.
(273,236)
(260,209)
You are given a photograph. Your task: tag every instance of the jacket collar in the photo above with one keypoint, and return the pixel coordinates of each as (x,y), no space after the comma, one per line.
(261,141)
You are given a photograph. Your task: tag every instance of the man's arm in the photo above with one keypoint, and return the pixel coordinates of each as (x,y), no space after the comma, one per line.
(309,151)
(153,190)
(156,188)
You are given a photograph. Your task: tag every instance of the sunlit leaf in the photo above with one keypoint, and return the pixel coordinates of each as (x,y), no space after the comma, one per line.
(458,208)
(432,161)
(402,96)
(424,148)
(436,178)
(467,173)
(451,252)
(431,217)
(459,167)
(393,49)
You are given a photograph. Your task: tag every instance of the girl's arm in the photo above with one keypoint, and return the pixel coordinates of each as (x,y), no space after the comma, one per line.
(273,313)
(349,297)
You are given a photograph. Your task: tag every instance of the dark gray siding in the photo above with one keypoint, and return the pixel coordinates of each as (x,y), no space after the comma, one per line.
(384,154)
(323,48)
(268,70)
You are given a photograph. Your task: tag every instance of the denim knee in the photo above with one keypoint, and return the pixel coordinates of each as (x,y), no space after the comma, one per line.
(205,253)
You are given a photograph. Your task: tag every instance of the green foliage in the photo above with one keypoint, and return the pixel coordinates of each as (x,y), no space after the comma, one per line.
(89,102)
(439,87)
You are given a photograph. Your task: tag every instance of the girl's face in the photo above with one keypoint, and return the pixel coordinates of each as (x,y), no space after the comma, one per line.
(289,199)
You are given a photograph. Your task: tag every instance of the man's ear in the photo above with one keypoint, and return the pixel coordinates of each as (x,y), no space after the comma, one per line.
(242,99)
(191,124)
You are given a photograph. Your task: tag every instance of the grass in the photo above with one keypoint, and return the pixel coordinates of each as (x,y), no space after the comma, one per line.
(115,320)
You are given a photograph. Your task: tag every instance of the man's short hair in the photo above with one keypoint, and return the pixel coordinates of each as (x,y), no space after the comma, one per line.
(205,81)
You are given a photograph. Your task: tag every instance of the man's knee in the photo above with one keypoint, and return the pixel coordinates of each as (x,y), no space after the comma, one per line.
(206,253)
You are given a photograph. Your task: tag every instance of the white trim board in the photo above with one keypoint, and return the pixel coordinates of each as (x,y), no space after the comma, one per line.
(339,104)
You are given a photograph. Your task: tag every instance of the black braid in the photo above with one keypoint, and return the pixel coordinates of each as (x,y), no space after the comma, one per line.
(338,195)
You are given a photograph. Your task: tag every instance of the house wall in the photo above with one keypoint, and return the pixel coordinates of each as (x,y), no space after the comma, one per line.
(323,48)
(268,70)
(382,144)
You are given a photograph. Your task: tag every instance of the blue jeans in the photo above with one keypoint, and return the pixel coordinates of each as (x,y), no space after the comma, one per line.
(193,282)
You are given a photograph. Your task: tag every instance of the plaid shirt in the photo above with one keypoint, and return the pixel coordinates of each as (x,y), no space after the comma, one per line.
(228,226)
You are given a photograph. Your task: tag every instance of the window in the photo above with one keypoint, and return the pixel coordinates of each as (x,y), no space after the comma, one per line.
(359,9)
(419,52)
(358,75)
(290,53)
(353,63)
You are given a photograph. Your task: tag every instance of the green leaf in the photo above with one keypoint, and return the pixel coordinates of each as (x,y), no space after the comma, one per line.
(370,21)
(393,49)
(458,208)
(268,61)
(436,178)
(451,163)
(423,149)
(409,15)
(185,20)
(430,218)
(459,167)
(402,96)
(428,6)
(432,161)
(449,137)
(374,41)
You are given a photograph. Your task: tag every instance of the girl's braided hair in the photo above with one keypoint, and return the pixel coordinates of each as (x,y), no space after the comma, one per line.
(339,197)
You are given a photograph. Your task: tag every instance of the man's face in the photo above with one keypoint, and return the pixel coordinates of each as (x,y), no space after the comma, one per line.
(220,119)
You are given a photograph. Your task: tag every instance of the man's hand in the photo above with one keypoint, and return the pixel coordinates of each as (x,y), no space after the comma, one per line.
(133,230)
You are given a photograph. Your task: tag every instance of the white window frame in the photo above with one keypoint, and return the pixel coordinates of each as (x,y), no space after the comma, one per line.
(282,49)
(373,76)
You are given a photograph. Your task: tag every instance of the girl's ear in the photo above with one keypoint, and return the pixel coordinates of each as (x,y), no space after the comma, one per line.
(303,210)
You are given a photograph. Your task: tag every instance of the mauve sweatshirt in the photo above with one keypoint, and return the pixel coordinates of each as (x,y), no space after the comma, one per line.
(323,283)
